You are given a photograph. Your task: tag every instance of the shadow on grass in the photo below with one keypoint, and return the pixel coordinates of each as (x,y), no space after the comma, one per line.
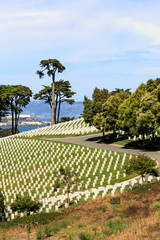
(122,140)
(108,139)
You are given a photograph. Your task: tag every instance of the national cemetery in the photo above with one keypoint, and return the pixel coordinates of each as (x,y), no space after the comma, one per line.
(31,166)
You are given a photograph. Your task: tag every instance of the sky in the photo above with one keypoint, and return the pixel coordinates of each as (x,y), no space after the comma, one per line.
(102,43)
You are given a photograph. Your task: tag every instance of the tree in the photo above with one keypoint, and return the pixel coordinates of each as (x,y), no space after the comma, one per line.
(67,178)
(66,119)
(17,96)
(148,115)
(107,119)
(62,93)
(142,165)
(3,103)
(127,112)
(94,106)
(51,66)
(25,204)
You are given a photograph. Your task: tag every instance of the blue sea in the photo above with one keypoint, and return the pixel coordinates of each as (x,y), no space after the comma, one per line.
(23,128)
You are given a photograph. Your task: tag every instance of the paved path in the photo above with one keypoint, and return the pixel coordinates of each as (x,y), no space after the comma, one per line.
(91,141)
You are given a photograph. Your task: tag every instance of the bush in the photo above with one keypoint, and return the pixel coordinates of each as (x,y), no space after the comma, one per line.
(155,205)
(6,132)
(47,231)
(85,236)
(39,235)
(116,225)
(2,207)
(103,207)
(25,204)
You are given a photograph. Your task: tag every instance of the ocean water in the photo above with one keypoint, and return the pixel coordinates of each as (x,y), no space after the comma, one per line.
(23,128)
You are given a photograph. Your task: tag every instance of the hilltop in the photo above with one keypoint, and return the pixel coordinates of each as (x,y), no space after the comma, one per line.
(42,110)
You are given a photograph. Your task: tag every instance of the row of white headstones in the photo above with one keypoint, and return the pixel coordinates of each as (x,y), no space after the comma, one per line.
(77,126)
(54,203)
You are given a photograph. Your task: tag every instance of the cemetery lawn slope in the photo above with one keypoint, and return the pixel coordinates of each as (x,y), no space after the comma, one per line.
(32,165)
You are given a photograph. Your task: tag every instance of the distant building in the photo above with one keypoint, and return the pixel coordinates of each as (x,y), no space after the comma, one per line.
(24,116)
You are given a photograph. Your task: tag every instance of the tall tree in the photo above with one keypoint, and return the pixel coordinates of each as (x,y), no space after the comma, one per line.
(148,115)
(127,112)
(51,66)
(3,103)
(94,106)
(107,119)
(62,93)
(17,96)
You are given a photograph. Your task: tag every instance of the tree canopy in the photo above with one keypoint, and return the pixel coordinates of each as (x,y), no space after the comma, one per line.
(62,93)
(51,66)
(16,97)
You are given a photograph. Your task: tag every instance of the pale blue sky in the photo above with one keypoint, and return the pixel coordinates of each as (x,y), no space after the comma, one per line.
(102,43)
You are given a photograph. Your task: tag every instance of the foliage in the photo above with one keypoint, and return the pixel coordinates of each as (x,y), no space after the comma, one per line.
(39,235)
(4,109)
(148,115)
(7,132)
(25,204)
(62,93)
(66,178)
(142,165)
(16,97)
(85,236)
(51,66)
(2,206)
(155,205)
(103,207)
(127,111)
(94,106)
(47,231)
(66,119)
(107,119)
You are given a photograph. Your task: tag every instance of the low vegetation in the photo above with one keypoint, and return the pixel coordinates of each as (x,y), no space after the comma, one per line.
(136,216)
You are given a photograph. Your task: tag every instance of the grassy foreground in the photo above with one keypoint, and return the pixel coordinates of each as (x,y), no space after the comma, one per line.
(137,217)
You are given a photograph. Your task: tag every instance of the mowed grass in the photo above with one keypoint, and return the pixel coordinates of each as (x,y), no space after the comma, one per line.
(30,165)
(134,218)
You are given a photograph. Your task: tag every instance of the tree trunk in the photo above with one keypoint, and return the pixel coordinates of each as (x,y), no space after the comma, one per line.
(59,110)
(53,101)
(68,198)
(16,121)
(12,118)
(56,120)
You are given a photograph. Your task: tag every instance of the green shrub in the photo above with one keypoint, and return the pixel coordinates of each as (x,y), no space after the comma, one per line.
(108,232)
(56,228)
(116,225)
(47,231)
(2,206)
(85,236)
(39,235)
(155,205)
(81,225)
(6,132)
(25,204)
(103,207)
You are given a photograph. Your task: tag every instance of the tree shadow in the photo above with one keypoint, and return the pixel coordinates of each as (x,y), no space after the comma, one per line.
(147,145)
